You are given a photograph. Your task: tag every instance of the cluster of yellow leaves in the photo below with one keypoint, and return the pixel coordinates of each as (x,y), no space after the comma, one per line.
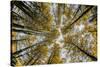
(31,39)
(56,58)
(43,49)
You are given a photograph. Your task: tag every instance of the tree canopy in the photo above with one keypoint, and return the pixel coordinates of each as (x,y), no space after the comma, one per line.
(52,33)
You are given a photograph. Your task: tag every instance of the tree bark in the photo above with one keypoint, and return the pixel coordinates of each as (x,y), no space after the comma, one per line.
(18,52)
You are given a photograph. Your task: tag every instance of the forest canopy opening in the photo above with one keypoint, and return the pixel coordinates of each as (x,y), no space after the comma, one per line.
(52,33)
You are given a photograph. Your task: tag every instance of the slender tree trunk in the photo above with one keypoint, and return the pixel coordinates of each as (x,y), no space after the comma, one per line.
(19,40)
(14,14)
(30,32)
(32,58)
(87,10)
(18,52)
(50,58)
(76,12)
(36,60)
(92,57)
(24,8)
